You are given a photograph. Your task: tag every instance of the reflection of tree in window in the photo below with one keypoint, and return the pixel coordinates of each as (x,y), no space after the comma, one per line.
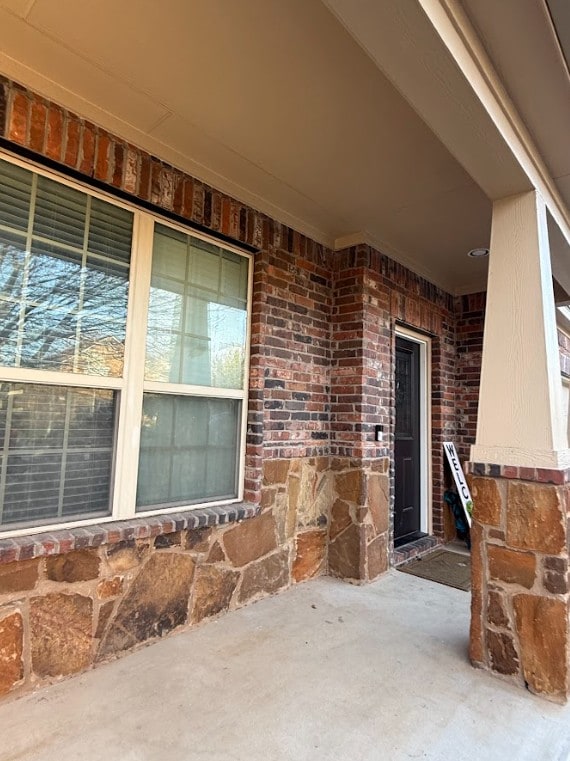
(64,268)
(197,313)
(64,282)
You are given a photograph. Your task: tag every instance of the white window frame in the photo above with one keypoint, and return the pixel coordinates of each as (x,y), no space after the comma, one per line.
(131,385)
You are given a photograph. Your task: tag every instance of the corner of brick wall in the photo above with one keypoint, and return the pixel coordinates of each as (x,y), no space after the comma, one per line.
(373,295)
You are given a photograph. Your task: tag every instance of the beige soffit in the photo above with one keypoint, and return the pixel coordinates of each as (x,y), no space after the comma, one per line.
(559,11)
(456,90)
(276,104)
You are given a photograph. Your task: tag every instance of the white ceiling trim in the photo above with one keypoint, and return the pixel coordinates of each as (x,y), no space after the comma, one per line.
(352,239)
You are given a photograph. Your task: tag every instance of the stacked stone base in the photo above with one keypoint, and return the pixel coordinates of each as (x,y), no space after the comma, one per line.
(63,614)
(360,519)
(520,599)
(67,611)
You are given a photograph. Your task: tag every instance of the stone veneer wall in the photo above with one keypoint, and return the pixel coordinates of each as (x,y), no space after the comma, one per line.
(358,548)
(62,614)
(520,590)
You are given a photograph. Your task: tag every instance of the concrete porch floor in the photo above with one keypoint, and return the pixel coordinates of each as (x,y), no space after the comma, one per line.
(325,671)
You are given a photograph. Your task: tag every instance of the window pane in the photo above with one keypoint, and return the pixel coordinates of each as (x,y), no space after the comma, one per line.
(87,483)
(60,213)
(63,298)
(188,451)
(169,256)
(12,258)
(226,331)
(234,277)
(15,193)
(205,266)
(197,322)
(52,303)
(57,452)
(163,350)
(110,231)
(102,319)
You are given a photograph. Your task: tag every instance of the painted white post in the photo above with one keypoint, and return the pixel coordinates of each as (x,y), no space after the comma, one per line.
(520,418)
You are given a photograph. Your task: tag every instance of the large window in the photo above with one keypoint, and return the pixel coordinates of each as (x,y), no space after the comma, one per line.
(123,356)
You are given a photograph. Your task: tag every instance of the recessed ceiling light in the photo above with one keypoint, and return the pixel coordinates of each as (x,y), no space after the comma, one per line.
(477,253)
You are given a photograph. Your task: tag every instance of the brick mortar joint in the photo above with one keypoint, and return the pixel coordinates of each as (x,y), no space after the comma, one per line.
(62,541)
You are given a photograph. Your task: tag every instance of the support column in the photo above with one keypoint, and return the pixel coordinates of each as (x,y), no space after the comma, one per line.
(519,476)
(520,419)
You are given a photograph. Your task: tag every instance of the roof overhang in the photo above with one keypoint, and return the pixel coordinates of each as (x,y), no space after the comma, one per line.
(379,122)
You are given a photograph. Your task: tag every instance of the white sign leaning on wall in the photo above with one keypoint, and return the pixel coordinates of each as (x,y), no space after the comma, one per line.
(459,478)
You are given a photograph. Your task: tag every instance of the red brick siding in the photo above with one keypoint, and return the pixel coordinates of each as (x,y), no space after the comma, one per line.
(360,382)
(295,312)
(470,316)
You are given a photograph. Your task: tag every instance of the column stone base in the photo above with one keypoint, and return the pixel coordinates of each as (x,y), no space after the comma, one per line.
(360,519)
(520,593)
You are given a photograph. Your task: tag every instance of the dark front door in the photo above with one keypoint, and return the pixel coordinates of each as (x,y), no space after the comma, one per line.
(407,442)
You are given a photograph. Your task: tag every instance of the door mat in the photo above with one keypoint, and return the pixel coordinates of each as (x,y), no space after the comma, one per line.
(444,567)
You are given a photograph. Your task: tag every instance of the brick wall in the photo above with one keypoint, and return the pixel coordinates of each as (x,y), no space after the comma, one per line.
(470,317)
(294,280)
(361,357)
(294,348)
(322,340)
(321,372)
(289,413)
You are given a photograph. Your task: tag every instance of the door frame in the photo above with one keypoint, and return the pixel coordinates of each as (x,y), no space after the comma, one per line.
(424,343)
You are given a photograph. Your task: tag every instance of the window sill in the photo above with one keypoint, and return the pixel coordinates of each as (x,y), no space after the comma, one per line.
(61,541)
